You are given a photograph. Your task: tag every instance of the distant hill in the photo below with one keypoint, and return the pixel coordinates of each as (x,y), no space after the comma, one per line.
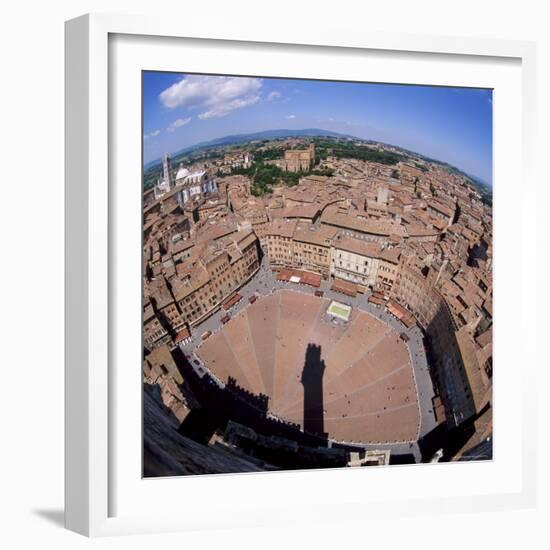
(235,139)
(243,138)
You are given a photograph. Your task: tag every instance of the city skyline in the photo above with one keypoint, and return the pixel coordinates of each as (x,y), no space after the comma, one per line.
(453,125)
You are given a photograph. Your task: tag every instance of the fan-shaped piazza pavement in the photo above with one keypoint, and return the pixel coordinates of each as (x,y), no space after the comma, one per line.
(365,390)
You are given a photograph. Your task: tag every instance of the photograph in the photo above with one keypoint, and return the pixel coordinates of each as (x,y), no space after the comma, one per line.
(317,274)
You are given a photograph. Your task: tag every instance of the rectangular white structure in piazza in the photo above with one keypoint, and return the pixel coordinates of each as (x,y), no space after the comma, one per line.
(337,309)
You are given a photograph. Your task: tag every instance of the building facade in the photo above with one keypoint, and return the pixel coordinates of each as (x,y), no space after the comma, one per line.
(355,261)
(298,160)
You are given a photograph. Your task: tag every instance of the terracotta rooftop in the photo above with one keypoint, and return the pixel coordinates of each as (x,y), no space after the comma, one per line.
(358,246)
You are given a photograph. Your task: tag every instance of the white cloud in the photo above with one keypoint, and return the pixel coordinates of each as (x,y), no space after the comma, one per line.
(273,95)
(178,123)
(291,116)
(152,134)
(219,95)
(224,108)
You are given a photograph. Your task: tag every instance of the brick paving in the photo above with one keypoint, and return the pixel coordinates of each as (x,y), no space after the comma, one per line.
(376,389)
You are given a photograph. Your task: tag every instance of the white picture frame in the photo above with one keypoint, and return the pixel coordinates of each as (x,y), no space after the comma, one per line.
(93,438)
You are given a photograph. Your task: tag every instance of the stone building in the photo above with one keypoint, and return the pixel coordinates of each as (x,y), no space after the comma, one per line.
(160,370)
(299,160)
(461,382)
(154,334)
(355,260)
(277,242)
(388,267)
(220,268)
(311,248)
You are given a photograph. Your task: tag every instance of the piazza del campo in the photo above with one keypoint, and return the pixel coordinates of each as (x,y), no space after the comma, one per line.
(314,301)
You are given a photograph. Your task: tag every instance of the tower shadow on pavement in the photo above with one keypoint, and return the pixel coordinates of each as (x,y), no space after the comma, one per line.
(312,380)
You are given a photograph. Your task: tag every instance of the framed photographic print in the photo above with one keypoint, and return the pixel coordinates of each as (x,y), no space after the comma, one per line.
(289,274)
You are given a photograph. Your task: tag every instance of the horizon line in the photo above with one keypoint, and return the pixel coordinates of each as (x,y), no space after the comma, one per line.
(430,158)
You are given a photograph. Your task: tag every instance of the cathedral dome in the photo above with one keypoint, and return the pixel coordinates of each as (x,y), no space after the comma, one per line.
(182,174)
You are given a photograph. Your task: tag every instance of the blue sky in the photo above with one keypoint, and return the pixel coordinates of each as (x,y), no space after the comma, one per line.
(450,124)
